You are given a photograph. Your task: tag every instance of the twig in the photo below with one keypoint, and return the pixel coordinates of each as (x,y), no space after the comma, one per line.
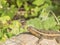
(55,17)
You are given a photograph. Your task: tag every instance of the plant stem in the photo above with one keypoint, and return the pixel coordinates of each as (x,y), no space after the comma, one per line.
(55,17)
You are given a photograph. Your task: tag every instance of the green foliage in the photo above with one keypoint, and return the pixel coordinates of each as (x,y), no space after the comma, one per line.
(45,21)
(35,23)
(37,11)
(4,19)
(48,24)
(9,28)
(9,11)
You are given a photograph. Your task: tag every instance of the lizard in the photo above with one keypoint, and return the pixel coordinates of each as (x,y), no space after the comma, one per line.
(44,33)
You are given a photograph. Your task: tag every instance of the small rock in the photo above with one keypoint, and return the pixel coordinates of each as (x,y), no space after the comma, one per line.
(22,39)
(48,42)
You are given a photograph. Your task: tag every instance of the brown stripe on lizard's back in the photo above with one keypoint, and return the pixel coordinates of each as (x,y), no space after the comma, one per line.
(37,32)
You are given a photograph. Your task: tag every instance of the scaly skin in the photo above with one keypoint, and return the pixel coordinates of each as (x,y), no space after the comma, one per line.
(40,34)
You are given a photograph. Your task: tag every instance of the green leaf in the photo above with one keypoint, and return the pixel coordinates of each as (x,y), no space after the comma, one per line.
(4,38)
(38,2)
(19,3)
(9,34)
(35,23)
(49,23)
(4,19)
(35,11)
(26,15)
(22,30)
(3,2)
(10,11)
(15,26)
(26,6)
(1,34)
